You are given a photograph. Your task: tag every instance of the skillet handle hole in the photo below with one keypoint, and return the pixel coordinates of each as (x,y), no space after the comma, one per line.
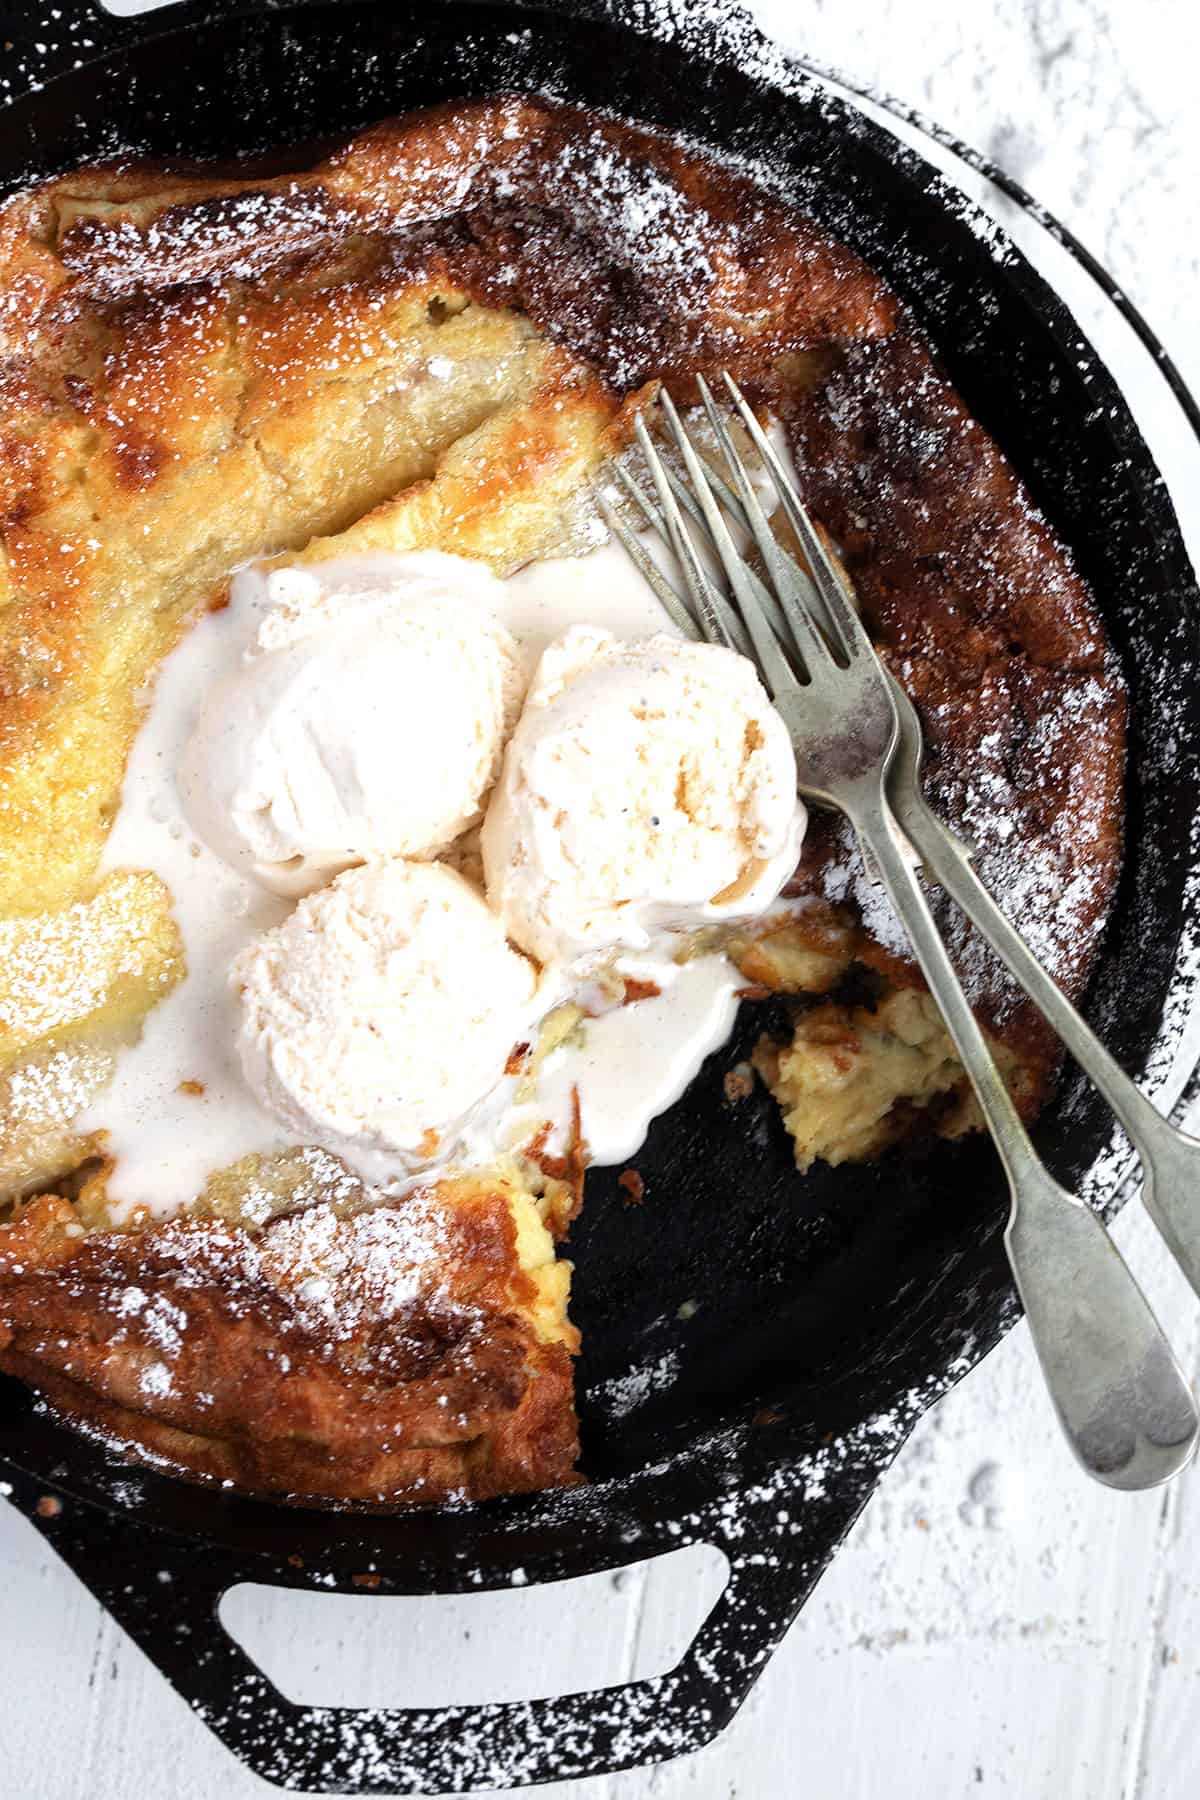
(371,1649)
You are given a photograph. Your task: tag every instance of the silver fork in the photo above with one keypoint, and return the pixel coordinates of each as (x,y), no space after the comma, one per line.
(1119,1393)
(1170,1158)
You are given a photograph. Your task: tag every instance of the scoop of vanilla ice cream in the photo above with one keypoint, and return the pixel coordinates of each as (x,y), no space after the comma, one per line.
(379,1014)
(367,719)
(648,785)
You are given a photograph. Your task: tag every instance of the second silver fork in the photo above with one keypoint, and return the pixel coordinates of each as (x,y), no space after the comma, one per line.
(1120,1395)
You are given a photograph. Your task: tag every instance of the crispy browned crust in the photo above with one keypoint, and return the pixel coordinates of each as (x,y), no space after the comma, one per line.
(994,633)
(393,1356)
(643,256)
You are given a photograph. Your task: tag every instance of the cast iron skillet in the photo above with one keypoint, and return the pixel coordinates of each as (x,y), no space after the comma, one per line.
(825,1314)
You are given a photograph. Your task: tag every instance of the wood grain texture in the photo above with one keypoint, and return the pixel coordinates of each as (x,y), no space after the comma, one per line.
(995,1626)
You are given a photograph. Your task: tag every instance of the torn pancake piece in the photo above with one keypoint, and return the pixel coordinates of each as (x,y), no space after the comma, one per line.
(416,1352)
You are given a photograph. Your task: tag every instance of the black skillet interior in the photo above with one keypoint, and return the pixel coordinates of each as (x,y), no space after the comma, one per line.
(780,1314)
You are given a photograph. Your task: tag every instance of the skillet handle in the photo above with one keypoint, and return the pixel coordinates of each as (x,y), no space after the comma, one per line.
(165,1593)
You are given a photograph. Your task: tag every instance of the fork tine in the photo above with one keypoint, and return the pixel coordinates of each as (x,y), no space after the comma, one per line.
(802,628)
(657,520)
(650,512)
(675,607)
(775,665)
(717,618)
(850,629)
(698,626)
(737,512)
(729,500)
(724,493)
(691,506)
(638,494)
(732,505)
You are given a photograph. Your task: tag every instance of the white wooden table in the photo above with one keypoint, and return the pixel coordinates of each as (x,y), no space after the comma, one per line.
(995,1625)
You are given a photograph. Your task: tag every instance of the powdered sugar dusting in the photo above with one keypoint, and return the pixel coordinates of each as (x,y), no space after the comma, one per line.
(508,1744)
(625,1393)
(345,1274)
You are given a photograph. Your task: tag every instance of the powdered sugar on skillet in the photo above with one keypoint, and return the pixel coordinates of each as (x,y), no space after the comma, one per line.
(923,1510)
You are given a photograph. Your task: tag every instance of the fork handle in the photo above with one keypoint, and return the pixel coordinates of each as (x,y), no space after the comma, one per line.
(1170,1158)
(1119,1393)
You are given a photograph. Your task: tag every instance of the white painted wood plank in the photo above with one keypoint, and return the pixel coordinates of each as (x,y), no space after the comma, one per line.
(1164,1752)
(374,1650)
(86,1717)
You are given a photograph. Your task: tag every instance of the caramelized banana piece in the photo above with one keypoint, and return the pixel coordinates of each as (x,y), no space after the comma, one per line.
(852,1078)
(74,986)
(103,961)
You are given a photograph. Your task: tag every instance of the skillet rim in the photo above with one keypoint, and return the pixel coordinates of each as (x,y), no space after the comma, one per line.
(574,1507)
